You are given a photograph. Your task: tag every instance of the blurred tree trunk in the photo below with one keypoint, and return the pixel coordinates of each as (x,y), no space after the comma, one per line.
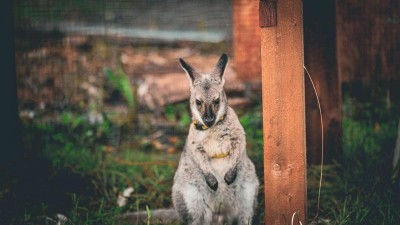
(320,61)
(10,138)
(246,40)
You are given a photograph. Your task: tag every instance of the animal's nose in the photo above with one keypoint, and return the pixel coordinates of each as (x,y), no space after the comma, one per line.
(209,121)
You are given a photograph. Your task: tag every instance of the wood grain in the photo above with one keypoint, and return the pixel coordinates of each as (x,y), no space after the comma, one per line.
(284,115)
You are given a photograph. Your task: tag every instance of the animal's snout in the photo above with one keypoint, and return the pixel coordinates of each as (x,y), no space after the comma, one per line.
(209,116)
(209,121)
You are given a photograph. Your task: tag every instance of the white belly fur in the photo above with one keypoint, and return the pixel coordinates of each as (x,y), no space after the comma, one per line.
(220,167)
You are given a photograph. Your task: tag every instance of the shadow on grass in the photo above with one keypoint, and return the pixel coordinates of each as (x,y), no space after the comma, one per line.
(32,190)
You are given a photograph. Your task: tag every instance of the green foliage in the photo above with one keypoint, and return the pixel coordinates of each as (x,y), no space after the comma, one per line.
(148,215)
(178,113)
(368,128)
(252,124)
(359,189)
(122,83)
(251,121)
(74,146)
(366,138)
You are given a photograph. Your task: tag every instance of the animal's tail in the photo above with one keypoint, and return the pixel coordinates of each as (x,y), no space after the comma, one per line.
(158,216)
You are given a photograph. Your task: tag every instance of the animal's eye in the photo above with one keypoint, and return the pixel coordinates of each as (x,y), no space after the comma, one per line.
(198,102)
(216,102)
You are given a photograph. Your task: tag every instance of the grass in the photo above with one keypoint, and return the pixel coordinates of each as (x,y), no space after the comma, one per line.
(70,169)
(369,140)
(360,188)
(74,151)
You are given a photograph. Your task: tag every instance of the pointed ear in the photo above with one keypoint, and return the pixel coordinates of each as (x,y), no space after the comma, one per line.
(189,70)
(220,67)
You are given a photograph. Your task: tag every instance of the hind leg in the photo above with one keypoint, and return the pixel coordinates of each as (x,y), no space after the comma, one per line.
(190,204)
(246,202)
(180,206)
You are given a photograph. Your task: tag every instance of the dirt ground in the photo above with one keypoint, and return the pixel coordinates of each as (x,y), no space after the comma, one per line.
(60,74)
(57,71)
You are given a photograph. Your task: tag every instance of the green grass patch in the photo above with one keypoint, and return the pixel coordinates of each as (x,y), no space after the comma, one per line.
(358,189)
(74,148)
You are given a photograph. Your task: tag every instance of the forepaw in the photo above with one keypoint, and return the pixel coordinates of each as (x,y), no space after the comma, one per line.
(211,181)
(230,176)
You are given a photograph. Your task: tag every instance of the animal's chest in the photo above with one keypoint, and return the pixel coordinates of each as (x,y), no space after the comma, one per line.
(216,145)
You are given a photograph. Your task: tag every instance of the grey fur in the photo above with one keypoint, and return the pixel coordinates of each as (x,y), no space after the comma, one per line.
(205,186)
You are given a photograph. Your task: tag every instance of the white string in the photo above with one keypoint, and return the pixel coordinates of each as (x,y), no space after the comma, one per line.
(322,145)
(293,219)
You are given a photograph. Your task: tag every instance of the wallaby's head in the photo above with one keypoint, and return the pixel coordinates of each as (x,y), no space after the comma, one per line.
(208,101)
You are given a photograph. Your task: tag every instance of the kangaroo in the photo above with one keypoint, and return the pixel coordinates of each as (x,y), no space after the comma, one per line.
(214,176)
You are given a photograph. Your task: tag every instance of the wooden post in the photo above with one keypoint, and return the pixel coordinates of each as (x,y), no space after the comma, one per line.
(246,40)
(284,115)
